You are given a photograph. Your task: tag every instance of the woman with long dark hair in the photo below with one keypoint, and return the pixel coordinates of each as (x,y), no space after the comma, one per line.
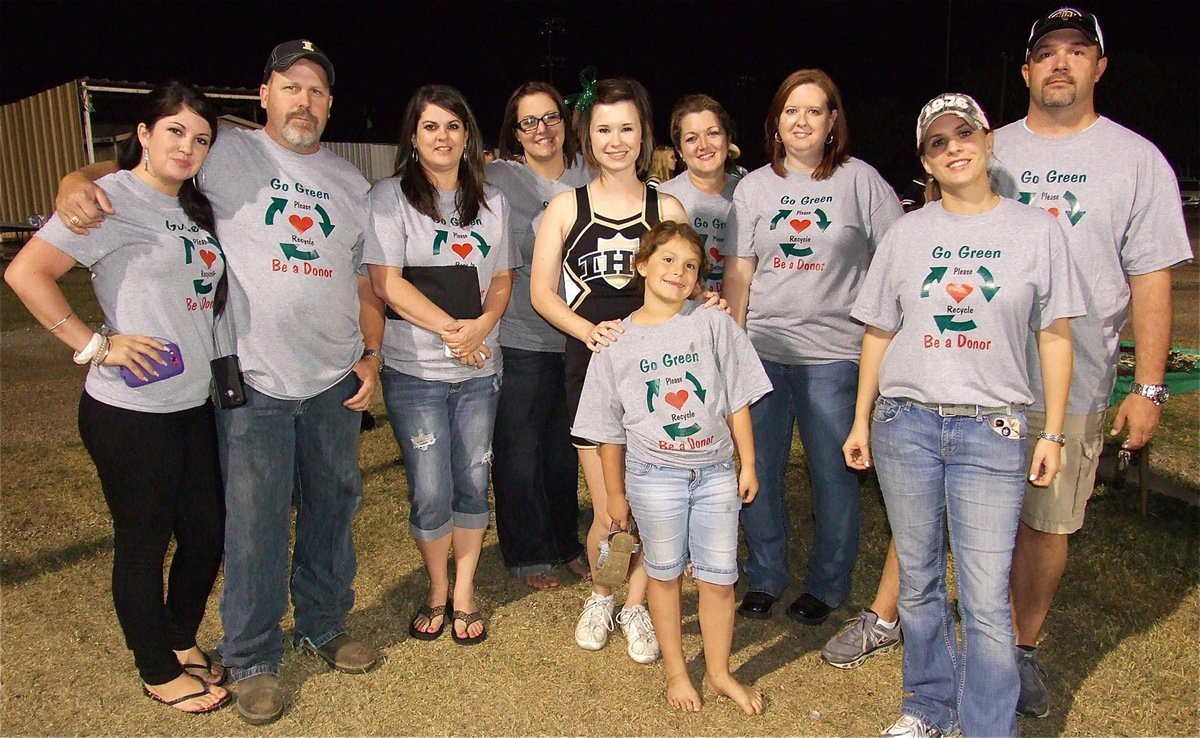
(439,254)
(145,415)
(590,236)
(806,225)
(535,470)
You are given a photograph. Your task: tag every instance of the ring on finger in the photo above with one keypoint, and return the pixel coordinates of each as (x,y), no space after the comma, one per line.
(74,219)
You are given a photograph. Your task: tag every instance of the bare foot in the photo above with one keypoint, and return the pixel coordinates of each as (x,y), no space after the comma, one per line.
(198,664)
(750,700)
(540,581)
(682,695)
(186,684)
(579,567)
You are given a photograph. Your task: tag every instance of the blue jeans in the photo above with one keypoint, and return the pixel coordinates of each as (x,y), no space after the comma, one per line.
(957,473)
(536,471)
(445,432)
(819,398)
(273,452)
(686,515)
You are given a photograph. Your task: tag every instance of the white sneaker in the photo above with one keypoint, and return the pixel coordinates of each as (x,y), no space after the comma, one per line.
(910,727)
(595,624)
(639,632)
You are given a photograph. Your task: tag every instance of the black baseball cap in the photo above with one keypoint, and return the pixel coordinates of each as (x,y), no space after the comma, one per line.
(1063,18)
(289,52)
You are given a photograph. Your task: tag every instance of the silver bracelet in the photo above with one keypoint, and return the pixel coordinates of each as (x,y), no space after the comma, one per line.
(102,354)
(1058,438)
(59,324)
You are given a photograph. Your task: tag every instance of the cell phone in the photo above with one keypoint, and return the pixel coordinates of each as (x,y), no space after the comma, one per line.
(174,367)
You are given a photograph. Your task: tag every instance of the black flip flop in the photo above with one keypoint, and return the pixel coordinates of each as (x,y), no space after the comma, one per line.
(429,613)
(171,703)
(207,666)
(468,619)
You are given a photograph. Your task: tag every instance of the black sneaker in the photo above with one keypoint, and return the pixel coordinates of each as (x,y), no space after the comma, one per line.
(1035,695)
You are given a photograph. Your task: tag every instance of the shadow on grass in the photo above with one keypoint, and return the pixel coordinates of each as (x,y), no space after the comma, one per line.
(19,571)
(1125,574)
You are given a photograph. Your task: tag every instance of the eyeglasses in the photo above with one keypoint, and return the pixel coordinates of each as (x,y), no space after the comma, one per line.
(529,123)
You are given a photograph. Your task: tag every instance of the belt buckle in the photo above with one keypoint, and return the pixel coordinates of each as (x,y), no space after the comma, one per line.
(948,410)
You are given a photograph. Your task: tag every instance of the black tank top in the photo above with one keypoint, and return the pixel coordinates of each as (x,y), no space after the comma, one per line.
(598,258)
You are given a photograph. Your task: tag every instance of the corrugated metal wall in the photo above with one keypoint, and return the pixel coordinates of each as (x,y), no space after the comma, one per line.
(375,161)
(41,139)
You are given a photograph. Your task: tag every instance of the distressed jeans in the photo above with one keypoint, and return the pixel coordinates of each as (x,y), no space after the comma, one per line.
(445,432)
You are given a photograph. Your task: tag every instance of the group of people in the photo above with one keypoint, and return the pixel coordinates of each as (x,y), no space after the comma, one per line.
(551,299)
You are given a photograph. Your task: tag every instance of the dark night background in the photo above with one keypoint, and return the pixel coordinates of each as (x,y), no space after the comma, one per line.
(888,58)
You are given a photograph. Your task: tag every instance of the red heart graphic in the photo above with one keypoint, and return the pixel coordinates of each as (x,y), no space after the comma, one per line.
(208,257)
(676,399)
(1054,212)
(462,249)
(716,255)
(300,224)
(959,291)
(799,225)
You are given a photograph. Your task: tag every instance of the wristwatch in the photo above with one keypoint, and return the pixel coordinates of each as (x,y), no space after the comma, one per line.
(376,354)
(1156,393)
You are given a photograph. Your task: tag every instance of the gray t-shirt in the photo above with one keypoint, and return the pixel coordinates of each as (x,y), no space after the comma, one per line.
(401,236)
(710,216)
(154,273)
(812,240)
(528,194)
(666,392)
(964,294)
(1118,202)
(291,226)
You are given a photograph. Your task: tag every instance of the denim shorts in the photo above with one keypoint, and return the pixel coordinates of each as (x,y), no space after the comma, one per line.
(686,515)
(445,432)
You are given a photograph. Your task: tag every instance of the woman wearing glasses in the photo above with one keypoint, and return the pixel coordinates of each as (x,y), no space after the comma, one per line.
(535,469)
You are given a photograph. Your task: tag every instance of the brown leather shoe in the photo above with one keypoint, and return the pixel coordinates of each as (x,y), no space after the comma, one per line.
(345,654)
(259,699)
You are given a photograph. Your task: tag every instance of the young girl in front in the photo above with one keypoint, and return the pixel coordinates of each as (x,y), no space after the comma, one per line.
(668,404)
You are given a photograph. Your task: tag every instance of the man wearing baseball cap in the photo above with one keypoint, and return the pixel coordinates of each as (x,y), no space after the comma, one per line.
(290,217)
(1117,200)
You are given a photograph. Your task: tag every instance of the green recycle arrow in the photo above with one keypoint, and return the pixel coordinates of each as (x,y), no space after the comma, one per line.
(675,431)
(201,287)
(792,249)
(935,275)
(946,323)
(278,205)
(651,393)
(483,245)
(1073,212)
(438,241)
(822,221)
(292,252)
(700,391)
(1026,197)
(188,248)
(326,226)
(989,288)
(782,214)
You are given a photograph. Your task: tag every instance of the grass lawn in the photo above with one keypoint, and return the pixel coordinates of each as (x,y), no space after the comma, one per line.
(1120,643)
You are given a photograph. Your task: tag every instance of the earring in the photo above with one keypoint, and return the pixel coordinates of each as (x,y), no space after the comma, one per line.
(829,140)
(777,138)
(415,158)
(146,160)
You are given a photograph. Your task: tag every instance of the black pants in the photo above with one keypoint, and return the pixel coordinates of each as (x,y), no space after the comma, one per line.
(161,477)
(535,470)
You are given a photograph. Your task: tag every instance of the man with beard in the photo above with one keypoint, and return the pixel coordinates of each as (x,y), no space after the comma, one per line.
(290,217)
(1117,200)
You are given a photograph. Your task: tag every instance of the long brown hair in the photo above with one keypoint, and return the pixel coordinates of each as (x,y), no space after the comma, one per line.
(414,183)
(689,104)
(509,145)
(609,92)
(835,151)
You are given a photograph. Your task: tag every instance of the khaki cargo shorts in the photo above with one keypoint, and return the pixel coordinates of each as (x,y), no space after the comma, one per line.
(1060,507)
